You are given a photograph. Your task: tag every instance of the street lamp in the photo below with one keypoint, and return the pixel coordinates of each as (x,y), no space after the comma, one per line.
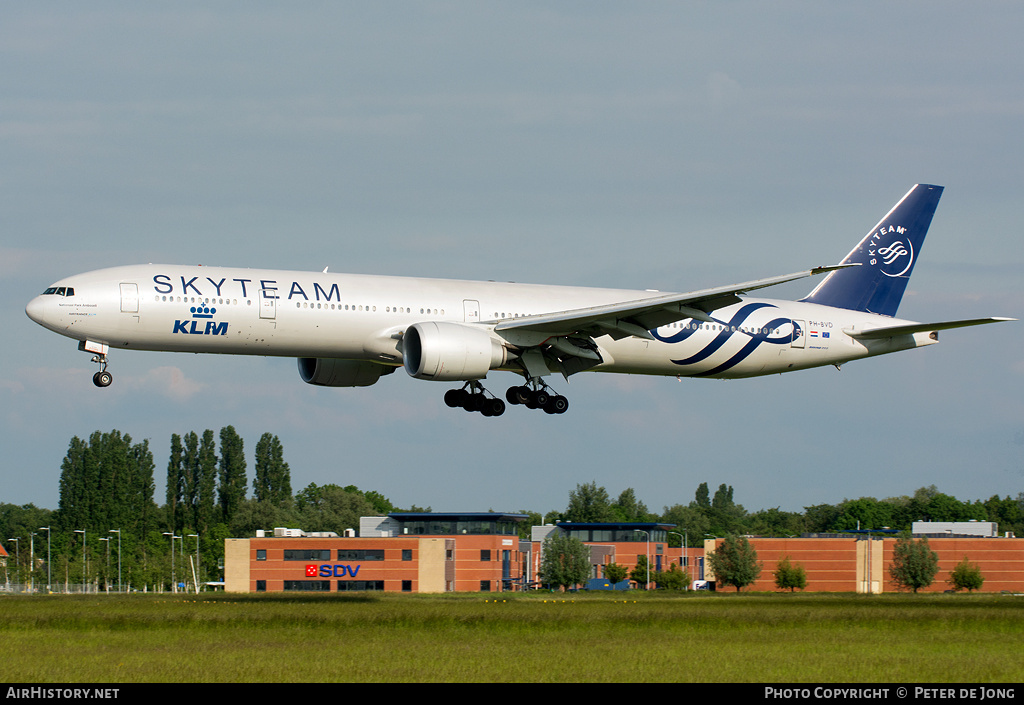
(48,580)
(17,553)
(685,565)
(197,571)
(84,567)
(106,570)
(118,532)
(174,586)
(641,531)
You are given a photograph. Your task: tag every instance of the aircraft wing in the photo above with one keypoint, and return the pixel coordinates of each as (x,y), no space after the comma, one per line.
(638,317)
(911,328)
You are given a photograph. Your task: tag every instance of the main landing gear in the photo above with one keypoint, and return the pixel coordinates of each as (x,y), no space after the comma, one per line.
(474,399)
(102,378)
(537,398)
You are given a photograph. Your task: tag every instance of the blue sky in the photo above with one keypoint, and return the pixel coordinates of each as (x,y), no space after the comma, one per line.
(660,145)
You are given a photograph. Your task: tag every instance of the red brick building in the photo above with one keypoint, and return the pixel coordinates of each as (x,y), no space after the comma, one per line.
(482,552)
(400,553)
(861,564)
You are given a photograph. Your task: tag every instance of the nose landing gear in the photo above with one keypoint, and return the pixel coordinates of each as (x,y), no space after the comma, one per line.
(102,378)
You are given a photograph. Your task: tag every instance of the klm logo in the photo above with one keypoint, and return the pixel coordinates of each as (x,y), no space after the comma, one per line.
(200,323)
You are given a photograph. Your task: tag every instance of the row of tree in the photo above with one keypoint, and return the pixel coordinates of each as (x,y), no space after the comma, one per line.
(108,528)
(565,563)
(107,491)
(720,515)
(914,566)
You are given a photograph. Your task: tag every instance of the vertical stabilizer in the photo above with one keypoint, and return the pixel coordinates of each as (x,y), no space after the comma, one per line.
(886,258)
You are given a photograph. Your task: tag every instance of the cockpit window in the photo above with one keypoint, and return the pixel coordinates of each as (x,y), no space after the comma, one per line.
(60,291)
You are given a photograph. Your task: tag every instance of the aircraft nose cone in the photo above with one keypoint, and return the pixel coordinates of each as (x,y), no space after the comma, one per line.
(36,309)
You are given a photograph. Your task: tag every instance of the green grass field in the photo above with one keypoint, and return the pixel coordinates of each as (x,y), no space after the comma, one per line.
(540,637)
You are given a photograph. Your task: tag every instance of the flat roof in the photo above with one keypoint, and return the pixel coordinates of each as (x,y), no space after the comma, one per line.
(455,516)
(618,525)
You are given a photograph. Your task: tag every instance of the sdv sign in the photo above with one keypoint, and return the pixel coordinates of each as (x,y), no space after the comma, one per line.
(332,571)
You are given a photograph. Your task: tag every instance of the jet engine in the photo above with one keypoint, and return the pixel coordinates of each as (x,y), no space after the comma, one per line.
(439,350)
(328,372)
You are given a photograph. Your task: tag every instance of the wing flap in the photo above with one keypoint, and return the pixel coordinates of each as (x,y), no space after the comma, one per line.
(639,316)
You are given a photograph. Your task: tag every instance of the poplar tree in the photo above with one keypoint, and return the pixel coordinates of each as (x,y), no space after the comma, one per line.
(189,481)
(232,485)
(206,483)
(273,477)
(175,481)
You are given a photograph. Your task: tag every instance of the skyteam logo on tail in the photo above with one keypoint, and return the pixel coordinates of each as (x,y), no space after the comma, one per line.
(201,322)
(891,251)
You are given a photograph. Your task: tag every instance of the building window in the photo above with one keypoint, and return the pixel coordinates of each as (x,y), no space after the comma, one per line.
(261,554)
(314,554)
(485,554)
(406,554)
(358,554)
(261,586)
(308,585)
(485,586)
(359,585)
(406,586)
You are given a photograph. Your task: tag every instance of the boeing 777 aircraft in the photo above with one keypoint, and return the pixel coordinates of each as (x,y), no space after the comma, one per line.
(348,330)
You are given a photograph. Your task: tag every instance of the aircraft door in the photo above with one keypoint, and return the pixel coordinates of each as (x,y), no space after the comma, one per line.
(472,310)
(268,304)
(799,334)
(129,297)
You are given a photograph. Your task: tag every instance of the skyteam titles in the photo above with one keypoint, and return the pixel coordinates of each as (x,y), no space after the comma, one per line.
(265,288)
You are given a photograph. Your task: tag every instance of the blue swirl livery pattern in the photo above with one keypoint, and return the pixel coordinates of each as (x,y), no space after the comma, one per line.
(755,335)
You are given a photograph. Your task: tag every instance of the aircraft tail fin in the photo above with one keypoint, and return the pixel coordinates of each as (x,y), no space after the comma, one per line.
(885,258)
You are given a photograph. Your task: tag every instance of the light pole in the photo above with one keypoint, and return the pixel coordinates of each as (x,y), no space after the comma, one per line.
(174,587)
(106,570)
(17,553)
(84,567)
(641,531)
(197,570)
(48,578)
(684,567)
(118,532)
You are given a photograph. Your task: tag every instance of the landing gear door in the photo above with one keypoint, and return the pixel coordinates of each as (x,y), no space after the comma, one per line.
(799,334)
(129,297)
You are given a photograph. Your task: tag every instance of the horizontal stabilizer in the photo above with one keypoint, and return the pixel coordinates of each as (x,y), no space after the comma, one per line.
(911,328)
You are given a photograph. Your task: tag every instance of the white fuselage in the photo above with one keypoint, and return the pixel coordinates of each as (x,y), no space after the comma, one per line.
(360,317)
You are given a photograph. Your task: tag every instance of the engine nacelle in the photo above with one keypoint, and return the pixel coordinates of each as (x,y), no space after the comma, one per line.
(440,350)
(328,372)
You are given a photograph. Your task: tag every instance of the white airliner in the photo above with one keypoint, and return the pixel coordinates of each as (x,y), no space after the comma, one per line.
(347,330)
